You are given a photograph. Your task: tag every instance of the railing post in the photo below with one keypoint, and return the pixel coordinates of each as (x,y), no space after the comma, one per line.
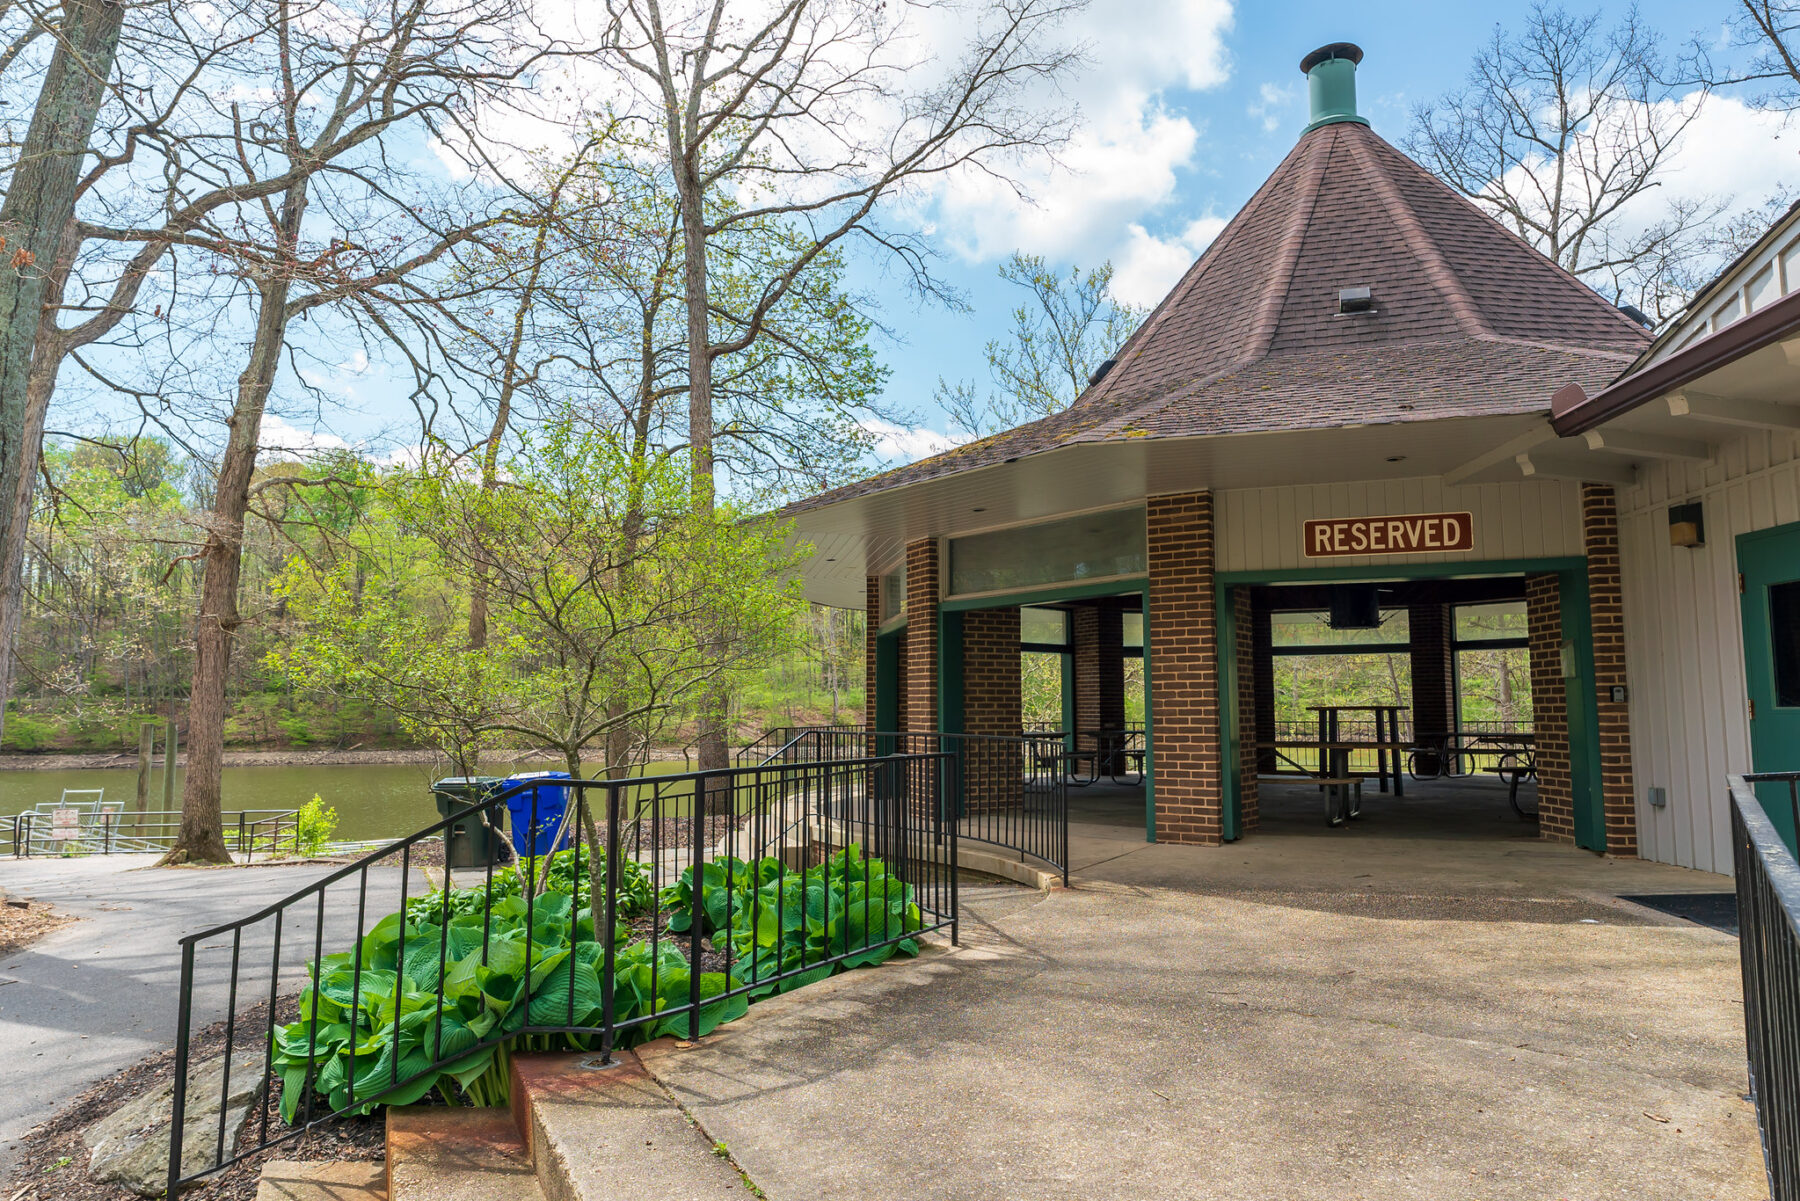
(609,953)
(178,1109)
(697,917)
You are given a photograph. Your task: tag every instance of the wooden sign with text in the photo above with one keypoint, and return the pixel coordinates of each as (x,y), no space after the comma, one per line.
(1412,534)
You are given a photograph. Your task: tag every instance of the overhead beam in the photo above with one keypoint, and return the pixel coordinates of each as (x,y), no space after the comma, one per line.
(1551,466)
(1504,453)
(1722,410)
(1646,446)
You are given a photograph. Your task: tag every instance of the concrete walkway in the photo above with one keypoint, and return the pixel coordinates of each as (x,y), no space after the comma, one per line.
(1339,1015)
(100,994)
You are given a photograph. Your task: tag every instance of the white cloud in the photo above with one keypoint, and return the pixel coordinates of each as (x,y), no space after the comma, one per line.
(281,439)
(897,444)
(1122,163)
(1148,266)
(1272,105)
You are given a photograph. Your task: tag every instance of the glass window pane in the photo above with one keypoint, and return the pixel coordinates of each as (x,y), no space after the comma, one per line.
(1490,623)
(1314,629)
(1044,627)
(1784,636)
(893,593)
(1096,546)
(1134,630)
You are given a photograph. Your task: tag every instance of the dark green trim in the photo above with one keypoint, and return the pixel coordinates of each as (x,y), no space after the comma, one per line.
(1583,707)
(1052,592)
(950,673)
(1463,569)
(1231,816)
(1068,699)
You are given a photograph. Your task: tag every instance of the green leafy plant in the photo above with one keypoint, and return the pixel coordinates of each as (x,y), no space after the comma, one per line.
(314,825)
(439,997)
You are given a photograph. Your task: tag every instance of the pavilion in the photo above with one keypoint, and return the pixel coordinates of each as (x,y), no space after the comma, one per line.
(1344,408)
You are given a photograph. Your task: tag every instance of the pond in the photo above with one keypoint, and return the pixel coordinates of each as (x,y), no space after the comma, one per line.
(372,800)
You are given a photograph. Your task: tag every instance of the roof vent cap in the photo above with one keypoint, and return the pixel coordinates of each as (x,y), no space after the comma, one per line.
(1100,372)
(1356,300)
(1331,84)
(1638,315)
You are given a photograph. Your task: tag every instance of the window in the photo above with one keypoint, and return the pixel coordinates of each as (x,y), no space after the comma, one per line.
(893,594)
(1313,630)
(1133,624)
(1784,637)
(1092,547)
(1493,668)
(1317,665)
(1043,629)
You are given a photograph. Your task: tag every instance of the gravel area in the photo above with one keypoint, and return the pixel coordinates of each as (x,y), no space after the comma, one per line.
(52,1158)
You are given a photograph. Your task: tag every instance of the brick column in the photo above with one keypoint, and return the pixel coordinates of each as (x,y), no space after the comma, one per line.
(1549,707)
(1606,604)
(991,705)
(871,631)
(919,664)
(1184,669)
(1247,717)
(1262,633)
(1433,698)
(1098,653)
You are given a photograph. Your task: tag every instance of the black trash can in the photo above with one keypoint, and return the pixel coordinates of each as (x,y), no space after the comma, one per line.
(470,841)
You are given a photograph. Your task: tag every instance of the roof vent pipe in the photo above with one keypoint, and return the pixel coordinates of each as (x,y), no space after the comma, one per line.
(1331,84)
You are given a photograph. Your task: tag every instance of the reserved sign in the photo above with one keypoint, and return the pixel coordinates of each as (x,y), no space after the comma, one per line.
(1413,534)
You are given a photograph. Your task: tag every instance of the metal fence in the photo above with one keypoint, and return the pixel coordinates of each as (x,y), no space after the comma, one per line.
(760,877)
(1013,791)
(248,833)
(1768,902)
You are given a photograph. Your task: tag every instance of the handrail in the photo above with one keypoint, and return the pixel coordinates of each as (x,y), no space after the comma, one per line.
(687,884)
(1768,905)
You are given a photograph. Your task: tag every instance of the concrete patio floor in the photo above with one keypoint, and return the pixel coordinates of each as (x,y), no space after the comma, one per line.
(1418,1006)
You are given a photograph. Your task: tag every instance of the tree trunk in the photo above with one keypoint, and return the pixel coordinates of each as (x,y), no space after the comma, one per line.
(201,839)
(40,201)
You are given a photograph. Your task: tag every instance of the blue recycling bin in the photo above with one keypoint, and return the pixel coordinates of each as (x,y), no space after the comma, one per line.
(552,800)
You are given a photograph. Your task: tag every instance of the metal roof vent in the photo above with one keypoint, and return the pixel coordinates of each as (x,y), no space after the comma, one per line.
(1638,315)
(1100,372)
(1356,300)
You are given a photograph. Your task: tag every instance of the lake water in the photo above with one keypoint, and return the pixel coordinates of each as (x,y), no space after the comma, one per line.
(372,801)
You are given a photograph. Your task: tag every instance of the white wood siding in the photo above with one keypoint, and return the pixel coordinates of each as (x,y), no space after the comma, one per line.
(1684,638)
(1260,529)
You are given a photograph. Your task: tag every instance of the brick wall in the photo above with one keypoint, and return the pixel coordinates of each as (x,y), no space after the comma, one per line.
(1246,709)
(1262,634)
(871,627)
(1600,534)
(1433,699)
(1097,634)
(991,705)
(1184,669)
(1543,619)
(919,657)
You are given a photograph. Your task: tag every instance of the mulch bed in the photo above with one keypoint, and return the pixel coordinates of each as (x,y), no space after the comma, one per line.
(24,922)
(52,1164)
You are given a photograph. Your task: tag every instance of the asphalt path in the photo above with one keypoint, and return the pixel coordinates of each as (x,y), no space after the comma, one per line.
(100,993)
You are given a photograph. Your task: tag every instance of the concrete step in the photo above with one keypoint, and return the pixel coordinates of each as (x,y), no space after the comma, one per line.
(340,1180)
(599,1134)
(439,1153)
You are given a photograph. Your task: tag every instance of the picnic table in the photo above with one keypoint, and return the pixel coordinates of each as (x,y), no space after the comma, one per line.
(1386,742)
(1112,752)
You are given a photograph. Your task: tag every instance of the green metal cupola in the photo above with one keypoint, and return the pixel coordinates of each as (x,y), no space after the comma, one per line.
(1331,84)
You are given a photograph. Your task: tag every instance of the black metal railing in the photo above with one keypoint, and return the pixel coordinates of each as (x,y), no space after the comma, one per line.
(708,889)
(1768,904)
(787,743)
(1014,792)
(248,833)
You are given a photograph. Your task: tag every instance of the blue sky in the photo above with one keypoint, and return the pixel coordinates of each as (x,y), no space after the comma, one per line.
(1188,106)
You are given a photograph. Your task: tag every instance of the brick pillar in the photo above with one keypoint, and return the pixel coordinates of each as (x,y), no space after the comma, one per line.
(1098,636)
(1248,796)
(919,664)
(1606,604)
(1184,669)
(1433,698)
(1549,707)
(871,631)
(991,705)
(1262,633)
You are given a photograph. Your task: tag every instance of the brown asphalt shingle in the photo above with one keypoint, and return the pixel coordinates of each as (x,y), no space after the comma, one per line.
(1470,320)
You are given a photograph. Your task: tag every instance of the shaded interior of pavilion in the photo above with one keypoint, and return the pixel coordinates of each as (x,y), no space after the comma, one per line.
(1402,707)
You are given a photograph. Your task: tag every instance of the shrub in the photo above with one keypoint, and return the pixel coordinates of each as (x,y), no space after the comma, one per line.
(314,825)
(386,1004)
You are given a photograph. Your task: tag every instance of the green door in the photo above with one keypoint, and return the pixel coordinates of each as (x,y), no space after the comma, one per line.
(1769,563)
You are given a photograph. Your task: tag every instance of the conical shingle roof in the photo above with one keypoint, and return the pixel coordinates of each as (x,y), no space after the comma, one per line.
(1468,320)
